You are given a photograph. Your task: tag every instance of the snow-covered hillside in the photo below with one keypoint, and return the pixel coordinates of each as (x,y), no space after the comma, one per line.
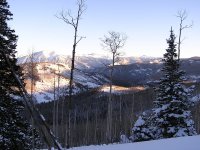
(91,72)
(86,74)
(84,61)
(181,143)
(56,76)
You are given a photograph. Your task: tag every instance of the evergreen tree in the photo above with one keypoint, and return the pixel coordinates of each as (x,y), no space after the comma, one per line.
(142,130)
(172,117)
(14,130)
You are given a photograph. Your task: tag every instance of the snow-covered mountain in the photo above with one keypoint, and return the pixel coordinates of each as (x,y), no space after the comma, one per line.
(89,61)
(91,71)
(82,62)
(54,80)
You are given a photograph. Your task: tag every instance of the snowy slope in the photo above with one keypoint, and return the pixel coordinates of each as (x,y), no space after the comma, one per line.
(90,72)
(43,89)
(182,143)
(89,61)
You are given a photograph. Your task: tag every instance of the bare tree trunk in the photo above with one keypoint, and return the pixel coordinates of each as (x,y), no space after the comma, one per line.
(74,22)
(132,112)
(75,113)
(179,40)
(54,103)
(73,139)
(86,129)
(68,131)
(57,102)
(182,15)
(109,117)
(63,129)
(113,43)
(120,114)
(33,126)
(115,124)
(44,70)
(95,131)
(31,56)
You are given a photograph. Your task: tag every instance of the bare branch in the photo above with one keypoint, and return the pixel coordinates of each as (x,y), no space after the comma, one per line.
(187,26)
(183,40)
(67,18)
(113,41)
(70,19)
(82,37)
(81,8)
(182,15)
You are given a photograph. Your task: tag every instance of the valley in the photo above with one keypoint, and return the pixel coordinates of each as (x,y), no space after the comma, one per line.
(130,75)
(133,93)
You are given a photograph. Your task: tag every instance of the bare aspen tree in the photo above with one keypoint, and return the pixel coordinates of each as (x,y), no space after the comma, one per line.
(132,112)
(31,56)
(113,42)
(63,95)
(120,113)
(54,101)
(75,115)
(86,129)
(96,126)
(73,21)
(56,95)
(182,15)
(57,102)
(32,66)
(30,72)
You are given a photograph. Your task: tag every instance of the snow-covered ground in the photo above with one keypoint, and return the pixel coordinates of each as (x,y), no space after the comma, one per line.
(182,143)
(51,74)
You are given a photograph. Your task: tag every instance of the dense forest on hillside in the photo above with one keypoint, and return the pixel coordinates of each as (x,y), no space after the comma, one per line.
(88,122)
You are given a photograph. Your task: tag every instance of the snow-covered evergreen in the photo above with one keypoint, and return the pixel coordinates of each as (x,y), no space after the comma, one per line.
(171,116)
(15,132)
(171,112)
(141,130)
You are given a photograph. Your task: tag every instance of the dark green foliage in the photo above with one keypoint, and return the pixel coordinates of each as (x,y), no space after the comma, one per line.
(141,130)
(171,112)
(7,46)
(14,130)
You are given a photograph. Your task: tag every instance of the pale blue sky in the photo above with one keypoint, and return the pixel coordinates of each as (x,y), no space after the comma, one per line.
(145,22)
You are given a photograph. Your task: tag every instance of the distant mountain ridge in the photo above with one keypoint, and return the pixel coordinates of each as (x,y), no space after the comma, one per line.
(84,61)
(92,71)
